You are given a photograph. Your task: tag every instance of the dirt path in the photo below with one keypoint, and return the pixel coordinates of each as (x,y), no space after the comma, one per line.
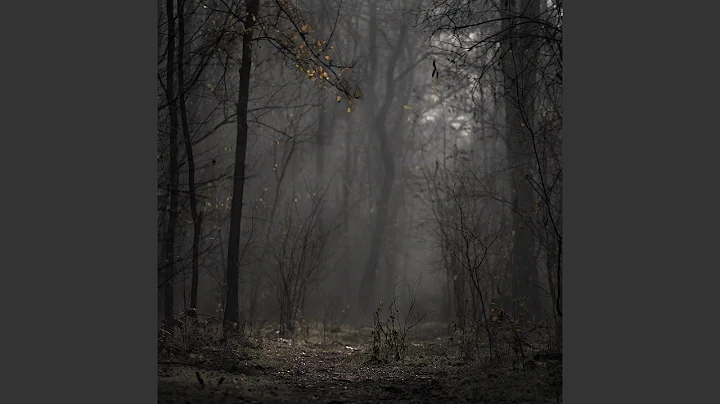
(280,372)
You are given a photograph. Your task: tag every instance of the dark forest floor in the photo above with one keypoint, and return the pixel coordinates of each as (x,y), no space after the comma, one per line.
(285,371)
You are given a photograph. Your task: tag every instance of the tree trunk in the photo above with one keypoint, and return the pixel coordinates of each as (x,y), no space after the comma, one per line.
(518,107)
(195,279)
(365,295)
(397,201)
(232,309)
(169,303)
(559,277)
(392,225)
(196,216)
(324,123)
(347,246)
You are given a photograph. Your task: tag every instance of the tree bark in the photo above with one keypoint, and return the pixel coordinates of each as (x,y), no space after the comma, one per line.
(232,309)
(196,216)
(517,69)
(169,301)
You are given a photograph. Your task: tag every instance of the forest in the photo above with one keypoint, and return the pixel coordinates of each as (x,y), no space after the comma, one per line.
(359,201)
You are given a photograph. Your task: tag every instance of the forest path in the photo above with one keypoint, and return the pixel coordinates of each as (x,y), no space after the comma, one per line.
(334,373)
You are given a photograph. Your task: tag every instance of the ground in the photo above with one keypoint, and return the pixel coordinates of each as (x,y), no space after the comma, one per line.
(278,370)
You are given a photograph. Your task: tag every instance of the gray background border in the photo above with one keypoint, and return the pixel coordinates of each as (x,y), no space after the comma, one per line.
(79,193)
(637,182)
(78,164)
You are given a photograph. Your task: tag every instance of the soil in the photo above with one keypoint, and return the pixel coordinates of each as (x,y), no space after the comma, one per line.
(277,370)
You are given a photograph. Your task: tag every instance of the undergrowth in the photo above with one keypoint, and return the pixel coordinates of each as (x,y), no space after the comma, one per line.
(502,337)
(389,335)
(200,339)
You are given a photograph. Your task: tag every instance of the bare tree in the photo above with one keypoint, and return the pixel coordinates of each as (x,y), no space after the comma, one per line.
(169,262)
(232,313)
(379,116)
(508,58)
(196,215)
(304,51)
(299,256)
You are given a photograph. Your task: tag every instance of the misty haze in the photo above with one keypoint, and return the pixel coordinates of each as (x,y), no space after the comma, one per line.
(359,201)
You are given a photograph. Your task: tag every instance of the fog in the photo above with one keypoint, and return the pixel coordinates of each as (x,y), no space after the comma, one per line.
(399,151)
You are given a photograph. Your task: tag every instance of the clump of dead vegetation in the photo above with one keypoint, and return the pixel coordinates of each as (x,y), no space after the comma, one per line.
(196,338)
(505,336)
(390,334)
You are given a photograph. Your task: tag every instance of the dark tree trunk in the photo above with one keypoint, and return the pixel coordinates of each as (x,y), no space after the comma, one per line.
(518,108)
(460,293)
(347,247)
(393,227)
(321,139)
(232,307)
(397,201)
(559,278)
(196,216)
(169,303)
(195,279)
(367,284)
